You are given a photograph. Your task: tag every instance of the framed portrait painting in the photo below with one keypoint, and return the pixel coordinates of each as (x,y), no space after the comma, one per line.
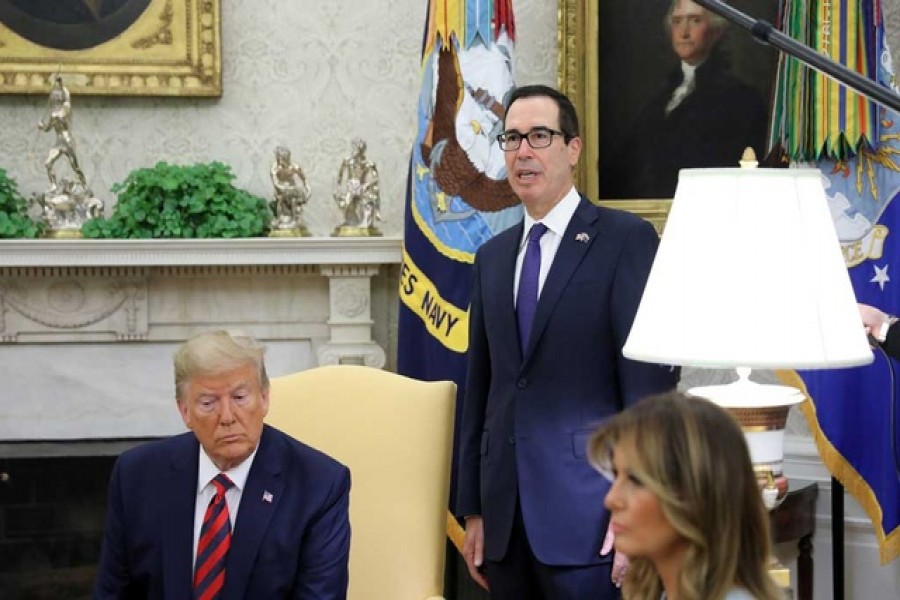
(623,61)
(112,47)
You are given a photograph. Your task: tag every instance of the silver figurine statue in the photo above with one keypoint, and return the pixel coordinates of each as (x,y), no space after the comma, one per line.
(357,195)
(291,193)
(68,202)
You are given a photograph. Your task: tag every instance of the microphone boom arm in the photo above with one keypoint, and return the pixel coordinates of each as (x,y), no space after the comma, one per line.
(767,34)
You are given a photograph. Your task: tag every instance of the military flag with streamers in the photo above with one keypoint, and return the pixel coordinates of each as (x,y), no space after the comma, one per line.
(814,117)
(854,412)
(457,194)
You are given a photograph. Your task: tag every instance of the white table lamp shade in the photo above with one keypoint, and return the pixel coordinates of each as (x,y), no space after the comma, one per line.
(749,272)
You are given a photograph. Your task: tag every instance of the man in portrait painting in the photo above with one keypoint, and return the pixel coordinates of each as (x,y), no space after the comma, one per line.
(71,11)
(70,24)
(702,115)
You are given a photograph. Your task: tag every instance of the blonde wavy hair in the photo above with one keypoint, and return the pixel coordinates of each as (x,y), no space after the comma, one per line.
(691,454)
(214,352)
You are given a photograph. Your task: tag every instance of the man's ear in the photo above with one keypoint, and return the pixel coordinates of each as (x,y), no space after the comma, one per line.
(185,414)
(265,401)
(574,147)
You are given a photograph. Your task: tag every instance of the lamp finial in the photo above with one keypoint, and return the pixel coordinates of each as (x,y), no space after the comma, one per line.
(748,159)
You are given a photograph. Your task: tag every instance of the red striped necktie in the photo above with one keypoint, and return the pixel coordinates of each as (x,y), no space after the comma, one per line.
(215,540)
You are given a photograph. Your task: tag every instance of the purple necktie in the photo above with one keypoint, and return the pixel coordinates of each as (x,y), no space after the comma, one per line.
(527,298)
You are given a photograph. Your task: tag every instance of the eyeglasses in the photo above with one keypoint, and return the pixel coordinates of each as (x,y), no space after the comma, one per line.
(539,137)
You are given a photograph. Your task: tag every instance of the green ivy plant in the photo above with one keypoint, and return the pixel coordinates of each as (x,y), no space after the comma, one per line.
(14,219)
(182,201)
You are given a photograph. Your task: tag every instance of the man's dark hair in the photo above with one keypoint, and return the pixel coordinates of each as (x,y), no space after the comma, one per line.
(568,118)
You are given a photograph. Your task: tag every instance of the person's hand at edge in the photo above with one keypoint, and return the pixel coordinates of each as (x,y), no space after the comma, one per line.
(473,550)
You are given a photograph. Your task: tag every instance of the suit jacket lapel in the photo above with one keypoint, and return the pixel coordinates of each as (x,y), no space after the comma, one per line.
(568,257)
(499,289)
(259,501)
(176,518)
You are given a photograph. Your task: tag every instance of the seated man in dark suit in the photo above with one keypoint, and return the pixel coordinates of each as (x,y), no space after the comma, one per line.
(233,509)
(701,117)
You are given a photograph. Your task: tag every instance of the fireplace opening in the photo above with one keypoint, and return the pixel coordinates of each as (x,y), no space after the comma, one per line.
(52,511)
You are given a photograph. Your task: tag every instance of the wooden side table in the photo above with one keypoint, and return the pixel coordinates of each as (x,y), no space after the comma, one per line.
(795,519)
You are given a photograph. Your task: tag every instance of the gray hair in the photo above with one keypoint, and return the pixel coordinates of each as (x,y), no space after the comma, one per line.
(214,352)
(718,22)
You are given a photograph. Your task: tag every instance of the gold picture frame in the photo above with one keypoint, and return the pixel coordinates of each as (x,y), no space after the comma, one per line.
(578,34)
(618,54)
(169,48)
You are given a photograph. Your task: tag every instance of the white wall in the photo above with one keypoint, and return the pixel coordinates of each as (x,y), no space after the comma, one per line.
(308,74)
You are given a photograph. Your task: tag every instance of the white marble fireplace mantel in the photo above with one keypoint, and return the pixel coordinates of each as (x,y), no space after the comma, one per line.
(245,251)
(88,327)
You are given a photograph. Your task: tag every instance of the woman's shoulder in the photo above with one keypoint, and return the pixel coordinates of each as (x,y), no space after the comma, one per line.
(738,594)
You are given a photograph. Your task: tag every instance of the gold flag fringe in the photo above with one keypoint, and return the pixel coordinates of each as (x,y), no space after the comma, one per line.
(843,471)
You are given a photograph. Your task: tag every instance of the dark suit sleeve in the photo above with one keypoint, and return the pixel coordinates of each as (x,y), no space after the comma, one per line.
(322,569)
(113,574)
(636,379)
(478,381)
(891,343)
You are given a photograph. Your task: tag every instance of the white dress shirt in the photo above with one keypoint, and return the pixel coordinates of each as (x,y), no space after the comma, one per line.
(688,83)
(557,220)
(206,490)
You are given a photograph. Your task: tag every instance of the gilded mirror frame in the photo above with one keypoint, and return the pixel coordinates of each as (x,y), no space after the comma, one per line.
(172,48)
(578,31)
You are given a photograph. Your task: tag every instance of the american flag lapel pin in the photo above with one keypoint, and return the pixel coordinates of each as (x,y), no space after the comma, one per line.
(267,497)
(583,238)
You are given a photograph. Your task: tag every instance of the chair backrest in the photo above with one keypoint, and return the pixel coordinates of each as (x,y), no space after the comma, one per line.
(396,436)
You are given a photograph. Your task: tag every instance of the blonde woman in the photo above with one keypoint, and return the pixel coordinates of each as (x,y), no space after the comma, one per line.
(685,505)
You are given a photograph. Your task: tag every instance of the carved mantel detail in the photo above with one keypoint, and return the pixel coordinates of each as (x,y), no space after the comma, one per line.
(67,306)
(351,299)
(44,302)
(350,317)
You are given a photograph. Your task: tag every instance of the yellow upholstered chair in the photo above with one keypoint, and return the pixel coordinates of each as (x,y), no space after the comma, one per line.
(396,436)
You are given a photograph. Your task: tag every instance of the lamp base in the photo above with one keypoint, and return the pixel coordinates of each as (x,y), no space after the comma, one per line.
(780,574)
(762,411)
(749,395)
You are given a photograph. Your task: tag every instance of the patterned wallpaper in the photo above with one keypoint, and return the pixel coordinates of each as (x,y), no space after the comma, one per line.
(891,13)
(307,74)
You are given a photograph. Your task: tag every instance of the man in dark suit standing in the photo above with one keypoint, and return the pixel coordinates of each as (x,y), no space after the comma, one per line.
(553,300)
(233,509)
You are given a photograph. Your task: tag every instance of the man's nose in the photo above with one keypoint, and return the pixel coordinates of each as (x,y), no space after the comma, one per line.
(525,150)
(226,414)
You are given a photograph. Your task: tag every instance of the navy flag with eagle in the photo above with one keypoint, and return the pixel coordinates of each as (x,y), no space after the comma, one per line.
(457,194)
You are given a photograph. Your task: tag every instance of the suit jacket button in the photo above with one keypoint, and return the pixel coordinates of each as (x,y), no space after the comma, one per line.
(512,439)
(523,383)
